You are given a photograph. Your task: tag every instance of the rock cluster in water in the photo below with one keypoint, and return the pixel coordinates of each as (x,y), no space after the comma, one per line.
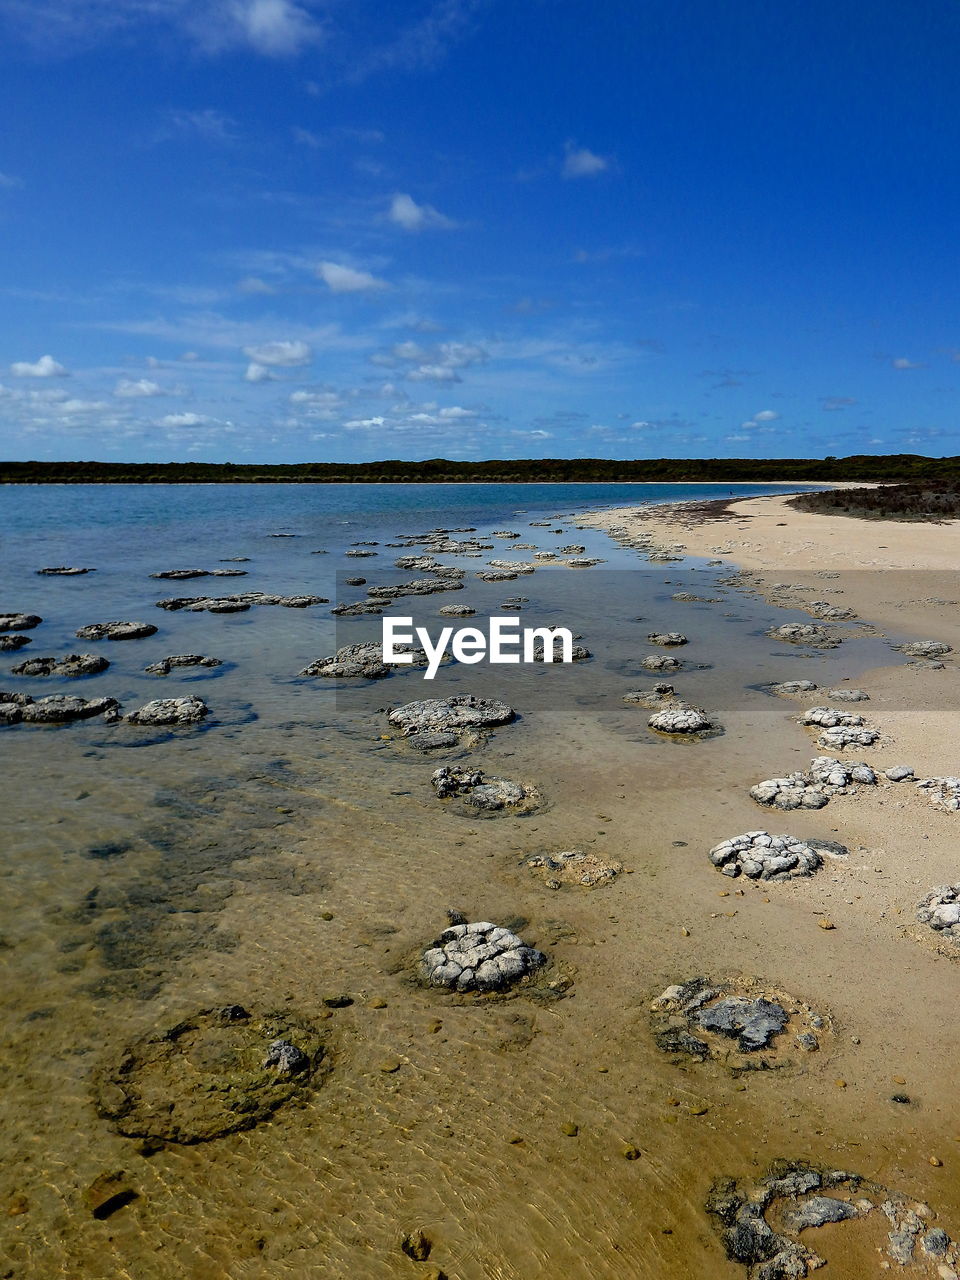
(732,1020)
(63,571)
(577,651)
(667,638)
(10,644)
(575,867)
(761,856)
(660,662)
(450,715)
(480,791)
(457,611)
(417,587)
(170,711)
(166,665)
(19,621)
(827,777)
(182,574)
(839,728)
(238,603)
(56,709)
(799,1197)
(478,957)
(363,661)
(74,664)
(215,1073)
(805,633)
(655,697)
(681,717)
(115,631)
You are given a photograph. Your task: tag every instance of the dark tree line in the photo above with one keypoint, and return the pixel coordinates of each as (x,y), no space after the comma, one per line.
(888,467)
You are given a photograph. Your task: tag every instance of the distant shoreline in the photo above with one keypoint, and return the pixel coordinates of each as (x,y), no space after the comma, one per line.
(863,469)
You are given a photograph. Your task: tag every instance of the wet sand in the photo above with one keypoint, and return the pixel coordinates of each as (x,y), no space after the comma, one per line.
(282,860)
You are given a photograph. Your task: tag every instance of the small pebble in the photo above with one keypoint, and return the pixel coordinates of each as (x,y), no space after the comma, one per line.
(826,923)
(569,1129)
(631,1153)
(377,1003)
(390,1064)
(936,1162)
(841,1084)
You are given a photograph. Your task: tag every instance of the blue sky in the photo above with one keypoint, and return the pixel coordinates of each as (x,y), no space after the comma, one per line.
(280,230)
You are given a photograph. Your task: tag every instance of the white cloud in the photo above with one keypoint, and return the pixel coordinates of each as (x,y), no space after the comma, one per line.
(902,362)
(183,420)
(433,373)
(579,162)
(758,419)
(276,28)
(259,373)
(365,424)
(287,355)
(406,213)
(8,182)
(137,388)
(45,367)
(341,279)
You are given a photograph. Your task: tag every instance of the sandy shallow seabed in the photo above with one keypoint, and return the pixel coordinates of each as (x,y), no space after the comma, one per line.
(264,826)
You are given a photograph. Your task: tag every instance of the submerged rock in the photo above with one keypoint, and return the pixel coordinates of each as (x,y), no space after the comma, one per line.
(360,607)
(417,587)
(792,1195)
(166,665)
(457,611)
(660,662)
(170,711)
(667,638)
(215,1073)
(655,697)
(761,856)
(178,574)
(577,652)
(478,957)
(238,603)
(74,664)
(805,633)
(10,644)
(64,571)
(574,867)
(742,1023)
(365,661)
(116,631)
(56,709)
(480,791)
(462,711)
(790,688)
(19,621)
(681,717)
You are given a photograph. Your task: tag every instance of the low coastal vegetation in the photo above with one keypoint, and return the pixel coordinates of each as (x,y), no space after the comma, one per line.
(930,500)
(904,467)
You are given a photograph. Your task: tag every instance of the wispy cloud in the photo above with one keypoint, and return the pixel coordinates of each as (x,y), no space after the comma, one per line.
(208,124)
(137,389)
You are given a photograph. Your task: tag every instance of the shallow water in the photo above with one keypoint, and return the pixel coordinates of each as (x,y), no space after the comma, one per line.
(149,874)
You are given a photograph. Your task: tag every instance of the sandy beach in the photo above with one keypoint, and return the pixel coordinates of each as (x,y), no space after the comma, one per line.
(293,856)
